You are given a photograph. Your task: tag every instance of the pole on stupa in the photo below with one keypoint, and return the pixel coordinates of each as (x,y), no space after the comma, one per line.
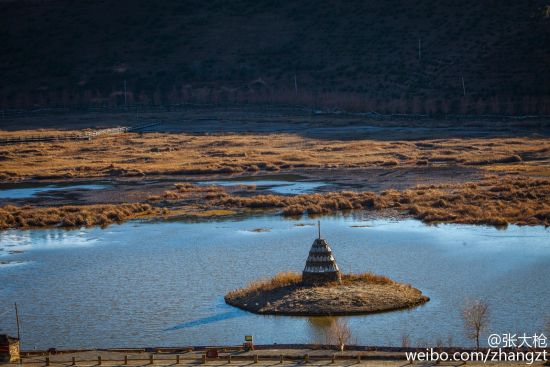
(319,228)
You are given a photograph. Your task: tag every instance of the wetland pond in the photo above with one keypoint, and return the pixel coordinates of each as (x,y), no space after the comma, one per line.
(23,191)
(162,283)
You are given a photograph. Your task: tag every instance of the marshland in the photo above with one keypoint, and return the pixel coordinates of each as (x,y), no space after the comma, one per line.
(499,179)
(204,212)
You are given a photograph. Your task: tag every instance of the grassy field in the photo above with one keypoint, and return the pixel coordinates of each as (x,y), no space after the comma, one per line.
(511,184)
(134,155)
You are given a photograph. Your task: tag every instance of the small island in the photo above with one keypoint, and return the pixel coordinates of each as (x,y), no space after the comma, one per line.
(322,290)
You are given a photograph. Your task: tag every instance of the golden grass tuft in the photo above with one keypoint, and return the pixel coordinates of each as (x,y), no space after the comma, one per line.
(72,216)
(365,277)
(283,279)
(493,201)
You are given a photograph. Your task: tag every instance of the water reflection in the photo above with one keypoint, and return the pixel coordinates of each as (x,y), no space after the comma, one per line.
(319,327)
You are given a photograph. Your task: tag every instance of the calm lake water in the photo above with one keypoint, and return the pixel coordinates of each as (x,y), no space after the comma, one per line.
(162,283)
(22,191)
(276,186)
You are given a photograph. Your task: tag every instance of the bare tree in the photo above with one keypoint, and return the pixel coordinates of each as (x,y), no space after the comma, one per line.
(338,334)
(476,319)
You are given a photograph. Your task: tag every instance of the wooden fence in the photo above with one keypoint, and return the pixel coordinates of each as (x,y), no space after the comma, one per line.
(85,136)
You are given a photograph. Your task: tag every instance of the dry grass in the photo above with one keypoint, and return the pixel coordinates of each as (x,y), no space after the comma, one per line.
(155,153)
(72,216)
(493,201)
(522,198)
(290,278)
(280,280)
(357,293)
(365,277)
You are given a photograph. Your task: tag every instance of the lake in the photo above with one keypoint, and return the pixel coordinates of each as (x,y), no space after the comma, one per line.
(162,283)
(276,186)
(21,191)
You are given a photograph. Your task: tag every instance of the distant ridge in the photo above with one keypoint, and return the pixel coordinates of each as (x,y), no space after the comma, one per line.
(388,56)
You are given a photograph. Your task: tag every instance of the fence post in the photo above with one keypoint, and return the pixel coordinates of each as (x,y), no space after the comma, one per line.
(203,358)
(126,359)
(306,358)
(281,359)
(151,358)
(333,358)
(47,361)
(99,360)
(229,358)
(177,359)
(359,358)
(73,361)
(255,358)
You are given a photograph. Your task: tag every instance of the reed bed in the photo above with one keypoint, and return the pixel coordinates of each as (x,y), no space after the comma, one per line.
(493,201)
(130,154)
(72,216)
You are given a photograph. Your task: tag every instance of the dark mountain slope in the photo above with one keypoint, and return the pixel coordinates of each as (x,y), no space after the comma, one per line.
(82,52)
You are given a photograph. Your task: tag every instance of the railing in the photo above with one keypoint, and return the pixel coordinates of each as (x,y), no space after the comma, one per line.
(85,136)
(163,359)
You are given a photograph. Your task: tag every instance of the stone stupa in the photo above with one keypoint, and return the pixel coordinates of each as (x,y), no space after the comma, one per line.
(320,266)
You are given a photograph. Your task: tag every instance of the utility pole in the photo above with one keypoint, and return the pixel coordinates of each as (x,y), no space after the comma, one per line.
(125,104)
(295,85)
(17,320)
(463,85)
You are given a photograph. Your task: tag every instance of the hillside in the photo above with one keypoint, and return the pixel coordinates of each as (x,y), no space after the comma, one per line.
(379,55)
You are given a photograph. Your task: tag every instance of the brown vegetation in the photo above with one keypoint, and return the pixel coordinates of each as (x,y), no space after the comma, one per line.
(356,294)
(493,201)
(291,278)
(72,216)
(132,154)
(522,196)
(280,280)
(338,333)
(475,315)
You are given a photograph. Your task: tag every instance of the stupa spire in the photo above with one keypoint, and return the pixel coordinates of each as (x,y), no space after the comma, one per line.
(320,266)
